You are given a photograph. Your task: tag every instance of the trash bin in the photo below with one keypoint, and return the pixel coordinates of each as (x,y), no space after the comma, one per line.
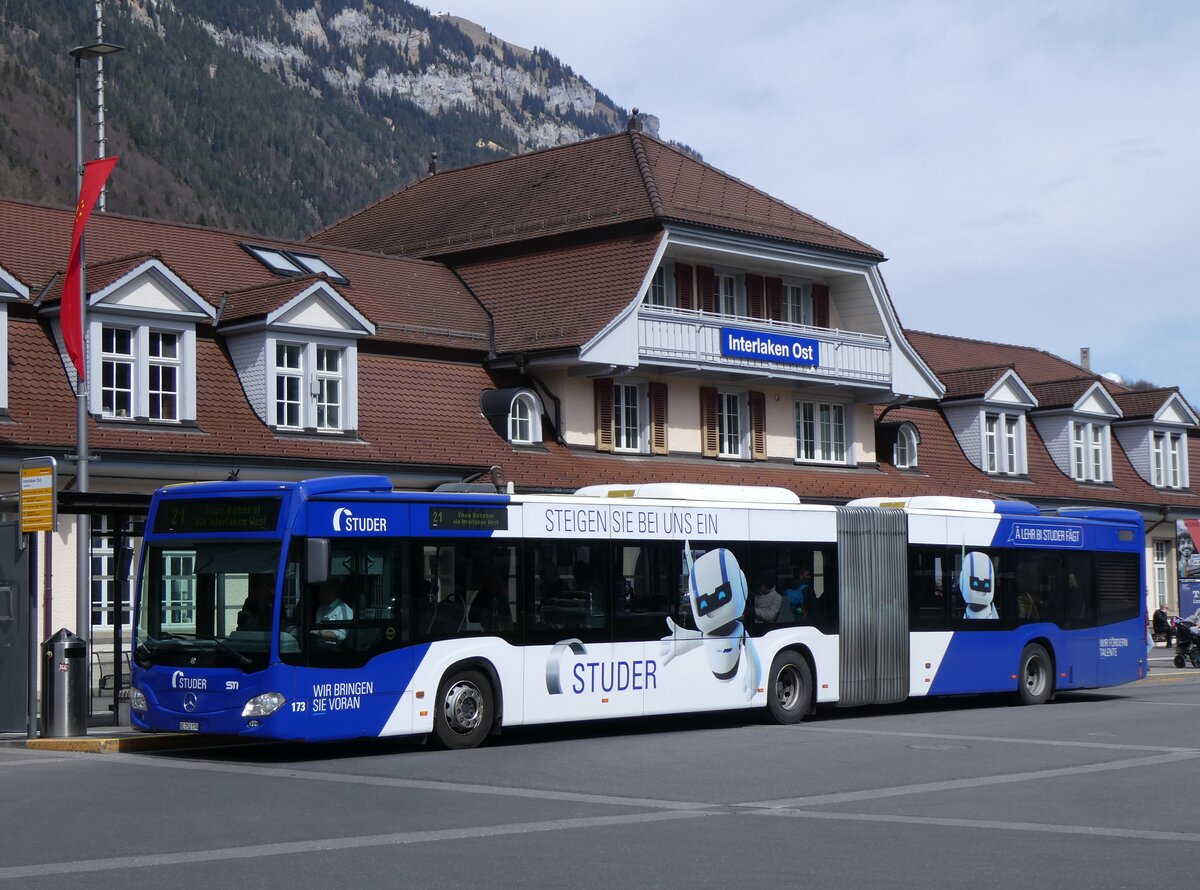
(64,686)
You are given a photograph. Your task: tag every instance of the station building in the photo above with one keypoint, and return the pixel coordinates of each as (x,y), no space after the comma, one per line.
(611,311)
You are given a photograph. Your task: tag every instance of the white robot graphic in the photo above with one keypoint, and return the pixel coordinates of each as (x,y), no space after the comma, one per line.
(717,593)
(976,582)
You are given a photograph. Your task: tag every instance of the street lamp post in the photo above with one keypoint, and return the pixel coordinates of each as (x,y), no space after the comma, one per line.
(83,531)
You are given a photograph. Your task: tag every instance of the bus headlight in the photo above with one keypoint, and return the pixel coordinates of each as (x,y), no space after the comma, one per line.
(264,705)
(137,701)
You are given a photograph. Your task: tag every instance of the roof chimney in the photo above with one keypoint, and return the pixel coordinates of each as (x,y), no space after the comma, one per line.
(1085,357)
(635,123)
(433,163)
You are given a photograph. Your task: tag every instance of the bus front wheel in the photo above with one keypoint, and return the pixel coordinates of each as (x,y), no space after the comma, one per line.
(1035,677)
(465,709)
(789,688)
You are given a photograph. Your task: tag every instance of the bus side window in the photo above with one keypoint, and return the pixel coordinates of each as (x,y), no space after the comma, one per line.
(929,589)
(1079,591)
(648,583)
(570,593)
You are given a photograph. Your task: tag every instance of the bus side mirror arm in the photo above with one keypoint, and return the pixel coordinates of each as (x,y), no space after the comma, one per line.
(317,561)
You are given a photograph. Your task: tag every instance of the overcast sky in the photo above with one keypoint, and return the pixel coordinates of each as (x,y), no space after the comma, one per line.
(1030,169)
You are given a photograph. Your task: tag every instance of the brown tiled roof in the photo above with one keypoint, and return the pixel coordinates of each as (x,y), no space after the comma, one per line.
(972,382)
(944,353)
(258,301)
(410,301)
(624,179)
(1061,393)
(563,296)
(1145,403)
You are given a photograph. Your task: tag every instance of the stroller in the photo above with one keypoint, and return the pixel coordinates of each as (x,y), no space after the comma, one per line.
(1187,644)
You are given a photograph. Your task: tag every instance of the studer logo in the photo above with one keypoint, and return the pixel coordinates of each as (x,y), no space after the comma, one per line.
(345,521)
(180,681)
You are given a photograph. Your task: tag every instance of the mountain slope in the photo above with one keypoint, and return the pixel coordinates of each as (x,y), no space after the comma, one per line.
(274,116)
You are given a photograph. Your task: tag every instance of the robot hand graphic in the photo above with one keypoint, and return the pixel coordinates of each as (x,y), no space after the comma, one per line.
(679,641)
(751,675)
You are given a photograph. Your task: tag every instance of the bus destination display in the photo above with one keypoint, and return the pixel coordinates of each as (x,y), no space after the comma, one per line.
(208,515)
(468,519)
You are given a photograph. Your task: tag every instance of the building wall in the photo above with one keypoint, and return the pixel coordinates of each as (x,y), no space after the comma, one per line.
(964,421)
(1136,444)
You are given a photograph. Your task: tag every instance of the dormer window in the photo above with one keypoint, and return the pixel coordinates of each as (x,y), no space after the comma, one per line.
(1090,452)
(1003,443)
(525,419)
(318,406)
(1169,456)
(904,452)
(142,373)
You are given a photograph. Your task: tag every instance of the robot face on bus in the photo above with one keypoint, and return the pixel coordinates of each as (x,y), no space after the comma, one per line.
(977,579)
(718,590)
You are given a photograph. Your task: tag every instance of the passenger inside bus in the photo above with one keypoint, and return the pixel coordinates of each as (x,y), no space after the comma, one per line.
(256,612)
(490,608)
(768,602)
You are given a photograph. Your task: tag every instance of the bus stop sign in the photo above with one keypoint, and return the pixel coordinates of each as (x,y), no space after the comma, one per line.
(39,504)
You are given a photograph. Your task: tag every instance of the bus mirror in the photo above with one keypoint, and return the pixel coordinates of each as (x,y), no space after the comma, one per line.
(124,563)
(317,569)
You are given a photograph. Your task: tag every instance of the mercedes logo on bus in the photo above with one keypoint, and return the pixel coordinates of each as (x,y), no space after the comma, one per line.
(189,702)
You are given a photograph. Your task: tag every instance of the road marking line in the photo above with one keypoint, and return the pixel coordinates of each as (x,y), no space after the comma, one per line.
(32,760)
(417,784)
(976,782)
(1053,743)
(1041,827)
(323,845)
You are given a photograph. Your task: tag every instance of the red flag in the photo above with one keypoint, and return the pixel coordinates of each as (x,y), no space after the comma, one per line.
(95,174)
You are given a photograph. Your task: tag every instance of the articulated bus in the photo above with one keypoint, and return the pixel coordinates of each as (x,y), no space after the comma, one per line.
(338,608)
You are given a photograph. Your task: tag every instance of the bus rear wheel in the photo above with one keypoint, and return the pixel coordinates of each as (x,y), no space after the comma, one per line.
(789,688)
(465,709)
(1035,676)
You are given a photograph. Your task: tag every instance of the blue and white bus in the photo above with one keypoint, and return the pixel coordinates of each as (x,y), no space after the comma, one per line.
(337,608)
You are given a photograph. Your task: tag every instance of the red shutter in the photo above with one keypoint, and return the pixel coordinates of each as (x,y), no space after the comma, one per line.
(820,298)
(658,418)
(705,282)
(683,287)
(755,305)
(604,414)
(708,421)
(775,299)
(758,426)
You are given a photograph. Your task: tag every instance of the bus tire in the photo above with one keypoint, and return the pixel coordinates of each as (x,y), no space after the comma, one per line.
(1035,676)
(465,709)
(789,688)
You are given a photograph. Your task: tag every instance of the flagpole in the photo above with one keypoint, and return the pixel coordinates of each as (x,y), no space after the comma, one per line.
(83,532)
(98,49)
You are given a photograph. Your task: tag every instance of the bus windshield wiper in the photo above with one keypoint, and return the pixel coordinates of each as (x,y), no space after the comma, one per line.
(221,644)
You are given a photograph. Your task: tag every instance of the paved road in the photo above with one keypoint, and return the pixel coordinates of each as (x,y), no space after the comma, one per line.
(1089,791)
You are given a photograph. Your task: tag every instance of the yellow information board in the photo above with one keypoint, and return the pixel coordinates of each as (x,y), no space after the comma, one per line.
(38,495)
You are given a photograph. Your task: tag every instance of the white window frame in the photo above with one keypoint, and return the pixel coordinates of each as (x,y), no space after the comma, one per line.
(733,444)
(525,419)
(141,330)
(329,380)
(904,452)
(1168,459)
(797,303)
(112,361)
(1091,454)
(1161,591)
(163,364)
(731,304)
(631,422)
(660,294)
(314,381)
(287,375)
(1003,442)
(829,441)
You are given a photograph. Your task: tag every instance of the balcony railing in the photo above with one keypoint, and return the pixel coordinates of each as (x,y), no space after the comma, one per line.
(690,338)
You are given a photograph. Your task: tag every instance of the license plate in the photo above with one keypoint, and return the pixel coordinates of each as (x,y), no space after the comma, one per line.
(188,726)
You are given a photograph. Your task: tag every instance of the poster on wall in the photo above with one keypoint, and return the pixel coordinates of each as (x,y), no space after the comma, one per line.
(1189,598)
(1187,545)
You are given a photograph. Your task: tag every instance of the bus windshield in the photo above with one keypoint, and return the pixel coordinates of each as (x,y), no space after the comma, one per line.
(208,603)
